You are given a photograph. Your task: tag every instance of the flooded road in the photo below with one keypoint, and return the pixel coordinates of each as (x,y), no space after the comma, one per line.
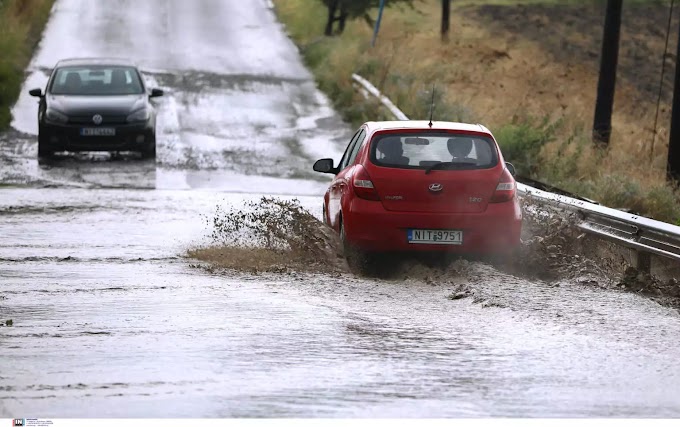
(110,319)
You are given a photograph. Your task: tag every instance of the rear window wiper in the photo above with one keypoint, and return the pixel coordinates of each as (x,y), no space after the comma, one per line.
(447,164)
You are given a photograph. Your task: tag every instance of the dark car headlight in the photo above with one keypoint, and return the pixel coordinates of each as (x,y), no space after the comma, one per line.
(56,116)
(140,115)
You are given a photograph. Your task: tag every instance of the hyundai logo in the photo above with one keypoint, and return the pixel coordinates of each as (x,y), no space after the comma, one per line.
(97,119)
(436,187)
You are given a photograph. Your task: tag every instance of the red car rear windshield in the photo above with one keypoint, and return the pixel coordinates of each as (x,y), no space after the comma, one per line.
(423,151)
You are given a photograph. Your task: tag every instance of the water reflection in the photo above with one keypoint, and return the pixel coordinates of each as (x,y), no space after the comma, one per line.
(100,170)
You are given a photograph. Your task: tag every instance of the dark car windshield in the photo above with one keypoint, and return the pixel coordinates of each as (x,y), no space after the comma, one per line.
(96,80)
(428,150)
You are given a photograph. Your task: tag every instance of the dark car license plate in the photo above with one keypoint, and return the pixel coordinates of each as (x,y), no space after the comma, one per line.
(98,132)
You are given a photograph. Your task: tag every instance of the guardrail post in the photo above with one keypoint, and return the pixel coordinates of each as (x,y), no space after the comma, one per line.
(643,262)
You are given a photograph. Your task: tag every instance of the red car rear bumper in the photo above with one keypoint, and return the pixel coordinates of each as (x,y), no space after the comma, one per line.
(496,230)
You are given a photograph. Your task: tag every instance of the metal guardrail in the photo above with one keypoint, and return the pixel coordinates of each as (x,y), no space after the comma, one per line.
(368,87)
(644,235)
(636,232)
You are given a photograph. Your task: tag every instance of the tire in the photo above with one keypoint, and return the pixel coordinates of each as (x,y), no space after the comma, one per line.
(359,261)
(150,151)
(44,150)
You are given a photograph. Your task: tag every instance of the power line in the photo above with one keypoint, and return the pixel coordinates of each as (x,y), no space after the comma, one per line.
(663,70)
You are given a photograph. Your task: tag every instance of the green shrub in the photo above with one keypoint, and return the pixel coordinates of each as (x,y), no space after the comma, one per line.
(522,142)
(578,166)
(419,108)
(21,23)
(10,73)
(663,204)
(625,192)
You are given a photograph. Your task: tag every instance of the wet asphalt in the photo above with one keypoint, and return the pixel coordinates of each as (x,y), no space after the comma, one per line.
(111,320)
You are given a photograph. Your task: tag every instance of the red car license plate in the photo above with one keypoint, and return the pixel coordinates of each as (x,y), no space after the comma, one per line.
(436,237)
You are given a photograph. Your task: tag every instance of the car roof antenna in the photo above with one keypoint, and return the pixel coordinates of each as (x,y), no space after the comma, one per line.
(431,107)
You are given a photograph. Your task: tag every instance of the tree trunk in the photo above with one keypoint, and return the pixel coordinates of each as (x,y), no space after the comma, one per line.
(332,8)
(674,141)
(343,17)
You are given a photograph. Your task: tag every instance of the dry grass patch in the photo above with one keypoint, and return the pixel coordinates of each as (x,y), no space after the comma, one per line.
(535,72)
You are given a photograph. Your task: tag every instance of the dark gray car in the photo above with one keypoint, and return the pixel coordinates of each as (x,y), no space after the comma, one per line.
(96,105)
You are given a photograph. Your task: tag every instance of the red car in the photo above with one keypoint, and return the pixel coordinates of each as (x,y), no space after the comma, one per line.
(406,186)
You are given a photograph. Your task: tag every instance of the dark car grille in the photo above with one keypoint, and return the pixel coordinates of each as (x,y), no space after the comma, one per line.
(107,120)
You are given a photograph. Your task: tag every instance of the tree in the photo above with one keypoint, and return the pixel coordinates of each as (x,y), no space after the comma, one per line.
(341,10)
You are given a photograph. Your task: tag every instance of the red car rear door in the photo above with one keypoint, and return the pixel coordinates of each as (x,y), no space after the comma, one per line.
(339,186)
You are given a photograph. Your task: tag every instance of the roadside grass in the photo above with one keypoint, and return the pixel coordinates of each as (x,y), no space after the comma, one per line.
(539,111)
(21,24)
(575,164)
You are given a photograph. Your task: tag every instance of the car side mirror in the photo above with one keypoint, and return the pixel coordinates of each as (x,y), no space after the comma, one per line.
(36,92)
(156,93)
(324,166)
(511,168)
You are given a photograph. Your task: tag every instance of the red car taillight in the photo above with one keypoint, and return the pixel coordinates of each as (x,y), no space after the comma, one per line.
(363,186)
(505,190)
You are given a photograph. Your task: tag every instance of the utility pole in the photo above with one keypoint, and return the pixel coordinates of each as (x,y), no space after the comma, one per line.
(674,141)
(446,15)
(602,125)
